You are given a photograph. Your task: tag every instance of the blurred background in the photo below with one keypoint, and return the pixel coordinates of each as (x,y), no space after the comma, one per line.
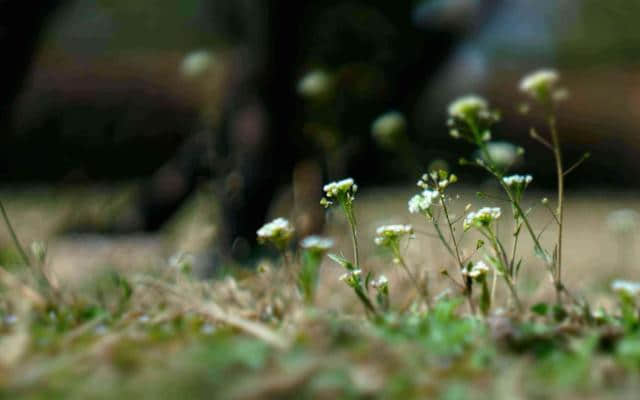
(116,116)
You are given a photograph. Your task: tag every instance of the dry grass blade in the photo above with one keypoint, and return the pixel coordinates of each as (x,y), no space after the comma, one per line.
(9,280)
(214,312)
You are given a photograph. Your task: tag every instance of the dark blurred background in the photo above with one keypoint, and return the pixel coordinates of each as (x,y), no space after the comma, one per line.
(255,95)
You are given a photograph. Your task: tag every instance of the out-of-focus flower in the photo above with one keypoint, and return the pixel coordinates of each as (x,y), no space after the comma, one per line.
(316,244)
(468,107)
(623,221)
(477,271)
(351,278)
(540,84)
(482,218)
(422,202)
(196,63)
(517,183)
(627,288)
(388,128)
(314,84)
(279,232)
(389,235)
(503,155)
(380,283)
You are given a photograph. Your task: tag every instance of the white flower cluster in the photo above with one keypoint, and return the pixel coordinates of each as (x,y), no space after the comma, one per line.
(539,82)
(351,278)
(196,63)
(468,107)
(278,231)
(479,269)
(388,234)
(517,180)
(380,283)
(422,202)
(387,128)
(316,244)
(482,218)
(623,221)
(628,288)
(333,189)
(314,84)
(340,190)
(502,154)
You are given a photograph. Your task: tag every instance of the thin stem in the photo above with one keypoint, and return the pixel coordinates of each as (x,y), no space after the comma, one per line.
(354,233)
(14,237)
(500,254)
(457,256)
(560,173)
(575,165)
(413,278)
(442,238)
(514,293)
(516,235)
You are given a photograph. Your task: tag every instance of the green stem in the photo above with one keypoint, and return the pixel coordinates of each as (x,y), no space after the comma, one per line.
(467,282)
(14,237)
(354,233)
(502,257)
(557,153)
(412,277)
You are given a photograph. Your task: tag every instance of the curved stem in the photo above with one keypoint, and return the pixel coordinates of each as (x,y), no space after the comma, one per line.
(14,237)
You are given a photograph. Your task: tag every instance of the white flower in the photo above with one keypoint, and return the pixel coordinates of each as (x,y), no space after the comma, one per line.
(388,234)
(334,189)
(502,154)
(479,269)
(481,218)
(380,282)
(351,277)
(196,63)
(628,288)
(518,180)
(468,106)
(623,221)
(317,244)
(343,191)
(314,84)
(420,203)
(388,127)
(539,82)
(278,231)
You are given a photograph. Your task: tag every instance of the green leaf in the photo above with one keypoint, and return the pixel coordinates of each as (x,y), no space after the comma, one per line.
(540,309)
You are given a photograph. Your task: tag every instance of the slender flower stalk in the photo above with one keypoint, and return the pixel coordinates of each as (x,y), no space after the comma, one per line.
(389,236)
(483,220)
(434,185)
(541,85)
(344,192)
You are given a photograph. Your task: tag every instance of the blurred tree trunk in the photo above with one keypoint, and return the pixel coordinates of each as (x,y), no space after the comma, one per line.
(21,23)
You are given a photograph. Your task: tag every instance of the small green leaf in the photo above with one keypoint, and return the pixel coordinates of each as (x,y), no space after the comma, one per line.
(540,309)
